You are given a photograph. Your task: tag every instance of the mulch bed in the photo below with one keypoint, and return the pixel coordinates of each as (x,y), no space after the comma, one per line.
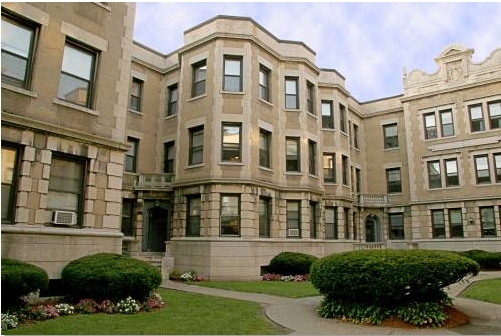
(456,318)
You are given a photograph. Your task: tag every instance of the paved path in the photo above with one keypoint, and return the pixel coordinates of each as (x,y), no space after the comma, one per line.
(301,318)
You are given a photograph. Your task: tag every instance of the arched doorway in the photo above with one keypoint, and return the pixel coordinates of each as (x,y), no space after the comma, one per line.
(156,229)
(372,229)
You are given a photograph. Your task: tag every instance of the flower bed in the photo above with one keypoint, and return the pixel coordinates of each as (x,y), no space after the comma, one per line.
(85,306)
(280,277)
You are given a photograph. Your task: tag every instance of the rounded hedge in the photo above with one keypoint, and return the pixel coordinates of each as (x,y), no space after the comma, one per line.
(18,279)
(109,276)
(291,263)
(487,260)
(389,277)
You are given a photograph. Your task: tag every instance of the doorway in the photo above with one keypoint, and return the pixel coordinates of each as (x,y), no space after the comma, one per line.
(156,229)
(372,229)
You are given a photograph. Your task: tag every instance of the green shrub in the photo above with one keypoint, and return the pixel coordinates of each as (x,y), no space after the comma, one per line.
(291,263)
(389,277)
(18,279)
(487,260)
(110,276)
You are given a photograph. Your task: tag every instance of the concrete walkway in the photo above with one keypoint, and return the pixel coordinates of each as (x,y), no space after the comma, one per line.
(301,318)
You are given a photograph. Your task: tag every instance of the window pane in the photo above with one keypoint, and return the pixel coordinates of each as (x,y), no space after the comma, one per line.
(73,89)
(495,109)
(497,163)
(476,112)
(290,87)
(487,221)
(200,73)
(16,39)
(14,67)
(232,67)
(231,83)
(290,102)
(77,62)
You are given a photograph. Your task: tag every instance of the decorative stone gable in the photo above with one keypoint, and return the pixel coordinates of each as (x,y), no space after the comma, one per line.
(455,69)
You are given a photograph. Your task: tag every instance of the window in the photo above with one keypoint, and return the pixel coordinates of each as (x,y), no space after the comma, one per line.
(476,118)
(264,148)
(128,210)
(390,136)
(447,125)
(438,223)
(396,221)
(495,114)
(193,215)
(456,223)
(312,156)
(10,158)
(169,157)
(430,126)
(230,215)
(292,162)
(291,93)
(359,179)
(131,155)
(136,91)
(18,40)
(393,181)
(487,222)
(355,136)
(497,167)
(232,74)
(264,83)
(345,169)
(264,217)
(77,75)
(293,219)
(196,145)
(346,223)
(329,167)
(482,169)
(66,184)
(331,223)
(231,149)
(451,173)
(173,98)
(342,118)
(434,175)
(310,97)
(327,114)
(313,219)
(199,74)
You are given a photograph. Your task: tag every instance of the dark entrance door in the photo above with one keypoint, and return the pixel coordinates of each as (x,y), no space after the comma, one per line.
(372,229)
(157,229)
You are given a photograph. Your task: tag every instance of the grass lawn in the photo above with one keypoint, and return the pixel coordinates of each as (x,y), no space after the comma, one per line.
(184,314)
(488,290)
(288,289)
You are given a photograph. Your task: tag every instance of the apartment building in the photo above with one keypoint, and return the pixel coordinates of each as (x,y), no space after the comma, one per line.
(233,148)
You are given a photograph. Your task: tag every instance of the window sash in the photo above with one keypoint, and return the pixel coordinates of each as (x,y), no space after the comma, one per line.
(264,217)
(230,215)
(193,216)
(310,96)
(390,136)
(292,155)
(196,145)
(264,148)
(10,163)
(173,98)
(329,167)
(199,77)
(345,169)
(232,74)
(312,149)
(456,223)
(396,222)
(451,173)
(342,118)
(331,231)
(494,114)
(434,175)
(430,126)
(128,210)
(169,157)
(438,223)
(482,169)
(487,221)
(291,93)
(131,155)
(394,180)
(497,167)
(264,90)
(313,219)
(447,124)
(135,95)
(18,41)
(355,136)
(476,118)
(327,115)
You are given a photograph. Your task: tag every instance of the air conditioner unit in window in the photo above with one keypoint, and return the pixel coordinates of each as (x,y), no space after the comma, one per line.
(293,232)
(64,218)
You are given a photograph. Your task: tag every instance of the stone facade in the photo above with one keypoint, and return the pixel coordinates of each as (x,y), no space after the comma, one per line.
(236,147)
